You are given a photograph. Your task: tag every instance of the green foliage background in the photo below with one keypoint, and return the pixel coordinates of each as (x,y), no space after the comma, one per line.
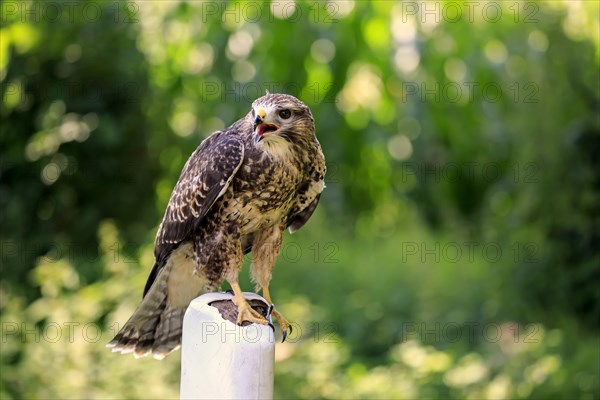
(455,250)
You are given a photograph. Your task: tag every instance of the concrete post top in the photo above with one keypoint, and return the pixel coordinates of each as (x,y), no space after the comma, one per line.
(222,303)
(208,298)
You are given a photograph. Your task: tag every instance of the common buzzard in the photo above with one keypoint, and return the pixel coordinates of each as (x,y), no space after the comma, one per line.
(238,192)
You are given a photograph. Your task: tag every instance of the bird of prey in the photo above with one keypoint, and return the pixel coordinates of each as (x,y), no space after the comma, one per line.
(238,192)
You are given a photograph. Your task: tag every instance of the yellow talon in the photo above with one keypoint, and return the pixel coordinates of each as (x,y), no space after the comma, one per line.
(283,323)
(245,312)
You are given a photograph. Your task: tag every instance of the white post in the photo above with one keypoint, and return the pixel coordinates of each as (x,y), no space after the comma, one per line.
(221,360)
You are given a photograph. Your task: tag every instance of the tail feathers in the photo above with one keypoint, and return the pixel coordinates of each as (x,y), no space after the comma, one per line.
(168,332)
(154,328)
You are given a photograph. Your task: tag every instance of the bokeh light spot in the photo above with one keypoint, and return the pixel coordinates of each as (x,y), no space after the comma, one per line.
(400,147)
(73,52)
(495,51)
(538,41)
(239,44)
(407,59)
(322,50)
(455,69)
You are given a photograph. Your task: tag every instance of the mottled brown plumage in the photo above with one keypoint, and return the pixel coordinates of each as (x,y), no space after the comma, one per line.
(238,192)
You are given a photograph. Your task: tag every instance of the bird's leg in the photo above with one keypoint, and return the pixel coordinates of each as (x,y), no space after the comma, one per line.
(245,312)
(265,250)
(283,323)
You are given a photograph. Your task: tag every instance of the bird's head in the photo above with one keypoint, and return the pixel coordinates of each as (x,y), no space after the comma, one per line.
(280,116)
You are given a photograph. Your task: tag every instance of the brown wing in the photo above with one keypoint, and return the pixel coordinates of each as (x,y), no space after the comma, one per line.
(298,220)
(205,177)
(314,187)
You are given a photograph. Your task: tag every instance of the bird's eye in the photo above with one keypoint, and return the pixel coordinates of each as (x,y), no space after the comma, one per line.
(285,114)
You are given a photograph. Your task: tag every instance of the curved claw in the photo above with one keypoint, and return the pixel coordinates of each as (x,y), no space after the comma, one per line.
(231,292)
(272,327)
(285,333)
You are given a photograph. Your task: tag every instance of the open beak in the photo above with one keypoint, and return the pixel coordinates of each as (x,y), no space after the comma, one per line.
(263,128)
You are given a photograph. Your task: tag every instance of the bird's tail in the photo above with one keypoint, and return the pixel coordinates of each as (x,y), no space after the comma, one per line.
(155,327)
